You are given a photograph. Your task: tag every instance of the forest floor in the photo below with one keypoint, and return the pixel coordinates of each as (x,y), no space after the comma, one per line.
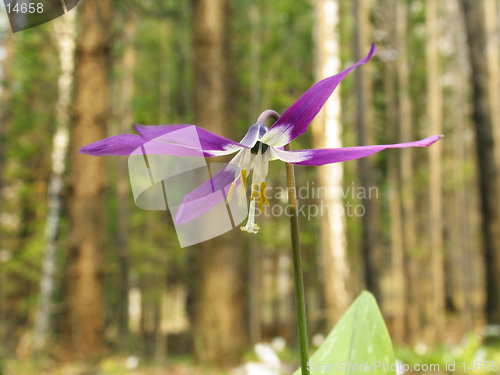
(471,353)
(108,366)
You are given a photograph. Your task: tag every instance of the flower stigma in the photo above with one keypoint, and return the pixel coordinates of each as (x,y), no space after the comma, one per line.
(254,159)
(261,167)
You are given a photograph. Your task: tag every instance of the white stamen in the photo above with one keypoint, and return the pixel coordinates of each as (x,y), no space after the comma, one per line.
(261,168)
(251,227)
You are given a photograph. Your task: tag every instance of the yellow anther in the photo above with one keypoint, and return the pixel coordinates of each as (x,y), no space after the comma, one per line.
(258,195)
(244,177)
(231,192)
(261,209)
(244,187)
(263,197)
(255,190)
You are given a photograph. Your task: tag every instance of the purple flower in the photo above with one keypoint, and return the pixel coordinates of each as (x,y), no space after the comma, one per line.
(254,152)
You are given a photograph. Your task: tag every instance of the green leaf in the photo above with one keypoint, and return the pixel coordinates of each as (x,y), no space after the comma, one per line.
(359,338)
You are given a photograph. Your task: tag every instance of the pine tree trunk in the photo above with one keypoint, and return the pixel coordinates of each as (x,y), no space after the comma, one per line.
(327,132)
(64,34)
(435,310)
(148,308)
(365,127)
(219,324)
(152,286)
(462,271)
(470,256)
(164,84)
(413,319)
(488,173)
(459,254)
(85,325)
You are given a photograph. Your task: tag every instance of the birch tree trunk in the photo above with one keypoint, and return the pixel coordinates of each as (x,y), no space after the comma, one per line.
(64,34)
(327,132)
(488,173)
(413,318)
(219,323)
(434,313)
(365,127)
(83,295)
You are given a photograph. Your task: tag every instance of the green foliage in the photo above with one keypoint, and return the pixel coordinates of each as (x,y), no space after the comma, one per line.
(359,338)
(469,351)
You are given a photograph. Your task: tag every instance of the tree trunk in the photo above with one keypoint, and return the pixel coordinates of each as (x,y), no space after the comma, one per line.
(464,263)
(255,291)
(327,132)
(435,310)
(396,232)
(152,285)
(85,325)
(219,324)
(493,58)
(164,82)
(123,190)
(458,254)
(406,169)
(365,127)
(488,175)
(64,33)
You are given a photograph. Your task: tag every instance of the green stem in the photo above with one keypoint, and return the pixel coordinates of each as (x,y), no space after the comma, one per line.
(297,267)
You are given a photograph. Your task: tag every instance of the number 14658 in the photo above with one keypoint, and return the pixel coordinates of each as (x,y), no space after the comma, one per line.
(26,8)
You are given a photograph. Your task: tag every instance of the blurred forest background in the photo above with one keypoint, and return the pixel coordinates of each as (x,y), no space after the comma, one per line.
(87,277)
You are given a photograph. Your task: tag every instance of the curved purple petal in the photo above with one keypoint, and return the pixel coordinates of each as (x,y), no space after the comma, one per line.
(324,156)
(152,131)
(296,119)
(252,136)
(209,141)
(123,144)
(204,198)
(179,140)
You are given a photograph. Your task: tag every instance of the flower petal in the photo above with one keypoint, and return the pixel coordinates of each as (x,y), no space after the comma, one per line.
(180,140)
(202,199)
(324,156)
(252,136)
(209,141)
(123,144)
(296,119)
